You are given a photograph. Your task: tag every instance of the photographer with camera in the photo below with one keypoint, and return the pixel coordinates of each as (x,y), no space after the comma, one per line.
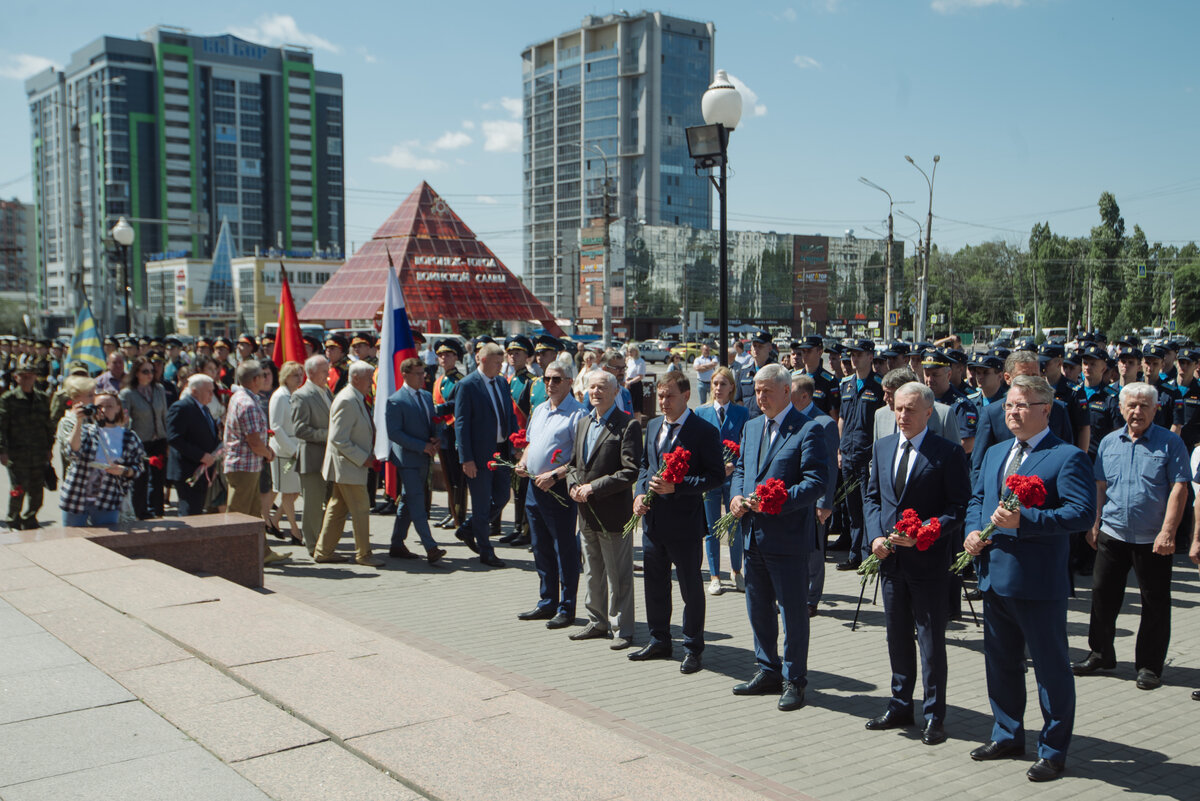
(106,458)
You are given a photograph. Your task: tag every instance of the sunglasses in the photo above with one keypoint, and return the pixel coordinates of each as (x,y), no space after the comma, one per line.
(554,379)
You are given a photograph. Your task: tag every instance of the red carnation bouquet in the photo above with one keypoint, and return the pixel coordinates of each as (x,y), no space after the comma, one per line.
(1027,491)
(730,450)
(157,462)
(770,496)
(519,440)
(554,456)
(497,462)
(909,525)
(673,470)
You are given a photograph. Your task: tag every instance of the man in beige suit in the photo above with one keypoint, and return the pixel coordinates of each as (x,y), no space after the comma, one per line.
(310,420)
(348,458)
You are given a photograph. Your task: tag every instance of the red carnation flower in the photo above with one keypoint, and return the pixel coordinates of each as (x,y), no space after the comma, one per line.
(731,449)
(928,534)
(1030,490)
(554,456)
(493,466)
(675,465)
(909,523)
(157,462)
(17,491)
(771,495)
(519,440)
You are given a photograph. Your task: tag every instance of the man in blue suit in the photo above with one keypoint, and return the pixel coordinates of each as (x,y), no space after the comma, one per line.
(483,420)
(1023,575)
(413,435)
(780,443)
(915,469)
(192,443)
(674,525)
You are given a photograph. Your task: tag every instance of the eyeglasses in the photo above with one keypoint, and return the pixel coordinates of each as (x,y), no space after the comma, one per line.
(554,379)
(1022,407)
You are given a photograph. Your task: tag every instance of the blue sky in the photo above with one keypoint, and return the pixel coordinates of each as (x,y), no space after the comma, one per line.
(1035,106)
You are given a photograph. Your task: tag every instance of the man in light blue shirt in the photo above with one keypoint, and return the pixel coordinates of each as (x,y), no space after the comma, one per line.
(551,514)
(1142,473)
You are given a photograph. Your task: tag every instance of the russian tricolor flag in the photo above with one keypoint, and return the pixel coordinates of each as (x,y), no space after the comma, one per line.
(395,345)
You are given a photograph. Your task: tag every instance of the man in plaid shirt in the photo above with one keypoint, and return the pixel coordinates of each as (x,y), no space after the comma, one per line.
(246,445)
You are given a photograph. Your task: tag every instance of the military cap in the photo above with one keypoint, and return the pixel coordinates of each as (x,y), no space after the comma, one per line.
(955,355)
(862,344)
(1189,355)
(337,340)
(1128,351)
(1155,351)
(794,345)
(25,364)
(116,343)
(222,342)
(1093,351)
(155,357)
(362,339)
(883,355)
(418,337)
(173,342)
(900,347)
(78,368)
(762,337)
(267,338)
(845,355)
(449,346)
(834,347)
(248,340)
(810,341)
(1026,343)
(144,340)
(1052,350)
(131,341)
(546,342)
(312,340)
(204,342)
(988,360)
(935,358)
(1002,352)
(43,343)
(922,346)
(1073,357)
(518,342)
(481,340)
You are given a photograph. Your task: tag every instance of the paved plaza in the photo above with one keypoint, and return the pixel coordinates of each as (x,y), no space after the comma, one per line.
(461,620)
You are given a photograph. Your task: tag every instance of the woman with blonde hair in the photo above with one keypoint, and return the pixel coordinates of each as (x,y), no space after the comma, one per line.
(80,390)
(284,477)
(106,459)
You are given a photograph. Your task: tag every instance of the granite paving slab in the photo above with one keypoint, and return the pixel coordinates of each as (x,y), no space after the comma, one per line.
(143,584)
(244,728)
(68,555)
(54,690)
(108,639)
(322,772)
(181,685)
(37,650)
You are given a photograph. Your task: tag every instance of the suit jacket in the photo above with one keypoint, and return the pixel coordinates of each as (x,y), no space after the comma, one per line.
(735,420)
(475,419)
(798,458)
(938,486)
(680,515)
(351,439)
(1030,561)
(611,468)
(410,426)
(829,433)
(310,425)
(993,429)
(190,435)
(942,422)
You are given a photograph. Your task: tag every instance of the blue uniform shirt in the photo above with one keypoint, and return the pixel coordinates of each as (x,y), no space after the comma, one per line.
(964,411)
(861,398)
(1140,475)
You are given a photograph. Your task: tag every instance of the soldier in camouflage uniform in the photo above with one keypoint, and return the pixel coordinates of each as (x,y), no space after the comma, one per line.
(26,438)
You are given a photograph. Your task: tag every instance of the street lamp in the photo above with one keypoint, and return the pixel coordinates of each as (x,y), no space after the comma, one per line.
(924,293)
(888,298)
(721,105)
(123,234)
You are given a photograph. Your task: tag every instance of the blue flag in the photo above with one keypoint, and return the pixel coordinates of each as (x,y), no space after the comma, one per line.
(85,343)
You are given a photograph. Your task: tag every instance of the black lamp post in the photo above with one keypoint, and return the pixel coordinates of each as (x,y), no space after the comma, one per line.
(123,235)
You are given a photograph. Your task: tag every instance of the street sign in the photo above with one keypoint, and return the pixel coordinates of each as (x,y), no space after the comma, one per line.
(1171,326)
(893,318)
(1021,317)
(912,307)
(1141,271)
(912,299)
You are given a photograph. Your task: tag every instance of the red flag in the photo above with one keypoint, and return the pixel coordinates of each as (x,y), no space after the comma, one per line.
(289,343)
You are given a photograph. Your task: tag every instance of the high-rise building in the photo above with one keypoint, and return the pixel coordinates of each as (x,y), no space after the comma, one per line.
(610,97)
(17,260)
(178,132)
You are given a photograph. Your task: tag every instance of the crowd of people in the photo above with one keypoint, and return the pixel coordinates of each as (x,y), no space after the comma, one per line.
(830,441)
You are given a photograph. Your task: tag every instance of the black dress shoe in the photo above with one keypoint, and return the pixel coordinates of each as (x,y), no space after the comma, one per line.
(1147,679)
(890,720)
(691,664)
(401,552)
(537,613)
(1196,695)
(1045,771)
(849,564)
(973,595)
(490,561)
(520,541)
(463,534)
(560,621)
(507,539)
(791,698)
(995,750)
(1091,664)
(934,733)
(761,684)
(655,650)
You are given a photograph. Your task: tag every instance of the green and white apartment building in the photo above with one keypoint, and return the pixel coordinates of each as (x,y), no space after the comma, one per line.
(178,133)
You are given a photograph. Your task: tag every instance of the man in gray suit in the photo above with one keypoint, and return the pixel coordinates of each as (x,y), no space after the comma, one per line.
(348,458)
(942,422)
(603,469)
(310,418)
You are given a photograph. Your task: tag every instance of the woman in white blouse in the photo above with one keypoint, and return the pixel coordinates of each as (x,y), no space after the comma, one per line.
(284,478)
(634,375)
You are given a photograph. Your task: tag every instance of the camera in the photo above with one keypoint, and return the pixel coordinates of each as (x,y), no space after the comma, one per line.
(89,410)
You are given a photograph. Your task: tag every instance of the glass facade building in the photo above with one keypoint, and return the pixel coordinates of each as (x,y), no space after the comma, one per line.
(610,97)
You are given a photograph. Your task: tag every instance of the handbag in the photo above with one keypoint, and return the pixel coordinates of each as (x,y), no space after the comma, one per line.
(50,478)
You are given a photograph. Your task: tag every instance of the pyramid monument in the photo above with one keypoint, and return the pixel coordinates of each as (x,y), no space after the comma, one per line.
(446,272)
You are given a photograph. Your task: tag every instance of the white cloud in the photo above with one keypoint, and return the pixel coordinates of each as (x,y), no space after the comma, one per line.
(366,54)
(468,125)
(20,66)
(402,158)
(279,29)
(501,136)
(451,140)
(806,62)
(789,14)
(951,6)
(512,105)
(750,105)
(487,199)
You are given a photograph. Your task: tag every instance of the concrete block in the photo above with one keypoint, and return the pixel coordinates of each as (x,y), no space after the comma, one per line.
(244,728)
(69,555)
(10,558)
(20,578)
(182,685)
(108,639)
(142,585)
(38,650)
(54,690)
(47,598)
(322,772)
(14,623)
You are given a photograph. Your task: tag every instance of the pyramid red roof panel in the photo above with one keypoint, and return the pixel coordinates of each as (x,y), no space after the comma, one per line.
(445,272)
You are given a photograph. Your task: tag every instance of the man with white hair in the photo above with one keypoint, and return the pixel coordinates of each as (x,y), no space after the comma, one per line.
(1142,473)
(310,420)
(349,457)
(192,443)
(246,447)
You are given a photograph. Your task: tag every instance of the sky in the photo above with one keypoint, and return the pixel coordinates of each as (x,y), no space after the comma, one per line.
(1035,106)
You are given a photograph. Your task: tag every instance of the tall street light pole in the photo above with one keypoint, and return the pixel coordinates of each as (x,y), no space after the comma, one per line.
(889,298)
(123,235)
(923,307)
(721,106)
(917,256)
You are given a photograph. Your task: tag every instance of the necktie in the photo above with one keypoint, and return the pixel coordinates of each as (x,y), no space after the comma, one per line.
(765,445)
(670,438)
(1014,464)
(902,471)
(721,414)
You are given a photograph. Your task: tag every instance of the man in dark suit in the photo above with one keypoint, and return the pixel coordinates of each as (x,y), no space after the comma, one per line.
(414,442)
(915,469)
(780,443)
(1023,575)
(483,420)
(192,442)
(674,525)
(803,387)
(604,467)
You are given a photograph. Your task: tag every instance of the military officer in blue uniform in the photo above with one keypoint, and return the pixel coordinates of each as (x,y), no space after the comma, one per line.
(1187,411)
(545,350)
(827,391)
(862,396)
(760,346)
(936,365)
(1153,357)
(517,350)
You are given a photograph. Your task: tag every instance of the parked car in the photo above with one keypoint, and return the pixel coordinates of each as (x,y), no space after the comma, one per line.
(688,351)
(654,350)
